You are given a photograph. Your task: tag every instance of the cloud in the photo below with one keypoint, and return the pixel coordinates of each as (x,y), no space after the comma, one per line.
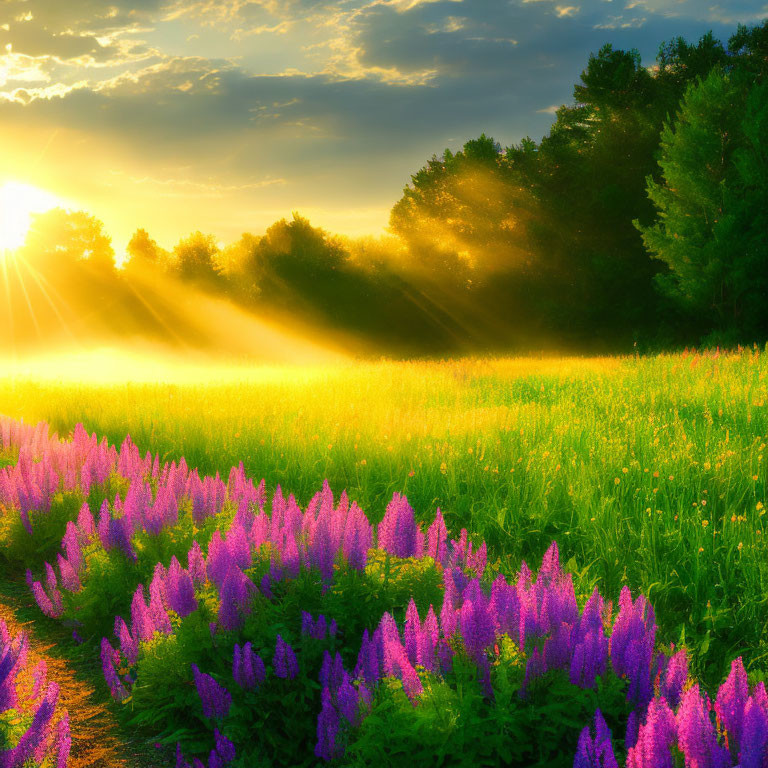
(255,106)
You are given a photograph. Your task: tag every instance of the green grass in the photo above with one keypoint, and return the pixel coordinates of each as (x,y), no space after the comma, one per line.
(648,472)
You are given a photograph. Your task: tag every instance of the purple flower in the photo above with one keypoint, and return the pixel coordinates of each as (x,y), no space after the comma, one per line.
(397,664)
(398,533)
(327,729)
(477,629)
(69,578)
(284,661)
(36,735)
(224,747)
(655,739)
(696,734)
(631,646)
(412,631)
(754,735)
(595,751)
(215,698)
(236,595)
(731,700)
(219,560)
(368,667)
(357,539)
(331,671)
(180,590)
(142,626)
(347,700)
(247,667)
(109,659)
(674,677)
(63,742)
(437,539)
(196,565)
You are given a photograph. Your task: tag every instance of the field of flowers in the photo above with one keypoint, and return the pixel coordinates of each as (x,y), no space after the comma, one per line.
(332,565)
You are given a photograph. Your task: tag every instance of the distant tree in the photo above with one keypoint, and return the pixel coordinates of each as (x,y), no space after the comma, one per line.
(712,203)
(682,63)
(748,49)
(60,240)
(461,215)
(614,79)
(142,248)
(236,263)
(195,258)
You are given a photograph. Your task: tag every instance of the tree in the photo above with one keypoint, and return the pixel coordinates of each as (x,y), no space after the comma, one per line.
(195,258)
(614,79)
(60,240)
(143,249)
(461,215)
(711,201)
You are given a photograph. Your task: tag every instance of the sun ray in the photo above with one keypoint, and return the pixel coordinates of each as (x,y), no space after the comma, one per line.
(8,305)
(44,285)
(23,287)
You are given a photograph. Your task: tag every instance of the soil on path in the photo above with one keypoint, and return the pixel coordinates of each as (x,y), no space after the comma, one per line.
(97,739)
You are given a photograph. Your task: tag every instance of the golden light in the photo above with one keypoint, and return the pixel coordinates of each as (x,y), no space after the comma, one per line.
(18,202)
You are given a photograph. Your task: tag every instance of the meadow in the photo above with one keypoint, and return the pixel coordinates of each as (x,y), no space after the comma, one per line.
(647,472)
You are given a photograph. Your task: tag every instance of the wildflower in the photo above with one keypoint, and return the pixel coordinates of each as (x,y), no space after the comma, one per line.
(595,751)
(108,662)
(731,699)
(247,667)
(398,532)
(180,589)
(655,739)
(142,625)
(754,737)
(347,700)
(284,661)
(215,698)
(368,660)
(37,733)
(674,678)
(224,747)
(327,729)
(696,735)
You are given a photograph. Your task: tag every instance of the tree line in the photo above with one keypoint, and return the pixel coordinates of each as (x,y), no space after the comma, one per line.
(640,219)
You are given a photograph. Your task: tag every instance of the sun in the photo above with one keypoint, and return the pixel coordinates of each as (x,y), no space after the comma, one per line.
(18,202)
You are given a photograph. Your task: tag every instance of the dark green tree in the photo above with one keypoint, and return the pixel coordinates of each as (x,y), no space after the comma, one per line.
(711,199)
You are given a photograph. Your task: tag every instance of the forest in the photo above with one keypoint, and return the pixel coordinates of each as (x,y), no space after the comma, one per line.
(639,222)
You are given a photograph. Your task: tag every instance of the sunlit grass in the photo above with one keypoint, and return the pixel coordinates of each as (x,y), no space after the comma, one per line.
(646,471)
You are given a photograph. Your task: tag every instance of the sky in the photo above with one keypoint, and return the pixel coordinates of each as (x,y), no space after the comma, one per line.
(226,115)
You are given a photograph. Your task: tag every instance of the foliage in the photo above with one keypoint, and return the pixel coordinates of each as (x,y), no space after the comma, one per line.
(711,201)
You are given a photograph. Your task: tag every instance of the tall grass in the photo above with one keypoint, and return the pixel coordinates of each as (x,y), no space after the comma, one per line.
(646,471)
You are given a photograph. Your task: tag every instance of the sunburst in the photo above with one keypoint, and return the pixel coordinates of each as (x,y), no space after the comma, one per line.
(18,201)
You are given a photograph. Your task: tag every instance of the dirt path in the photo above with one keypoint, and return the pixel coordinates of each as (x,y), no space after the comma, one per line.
(97,739)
